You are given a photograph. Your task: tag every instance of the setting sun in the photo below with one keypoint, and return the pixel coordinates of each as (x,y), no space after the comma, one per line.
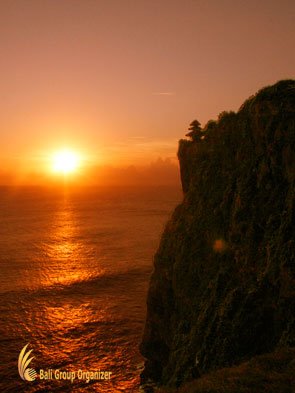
(65,161)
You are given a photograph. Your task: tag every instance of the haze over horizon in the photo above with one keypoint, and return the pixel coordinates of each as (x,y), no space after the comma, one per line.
(119,81)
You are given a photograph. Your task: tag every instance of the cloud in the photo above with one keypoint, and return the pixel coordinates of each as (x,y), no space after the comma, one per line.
(166,93)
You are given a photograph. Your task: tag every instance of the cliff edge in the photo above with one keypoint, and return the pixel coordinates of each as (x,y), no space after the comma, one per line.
(222,290)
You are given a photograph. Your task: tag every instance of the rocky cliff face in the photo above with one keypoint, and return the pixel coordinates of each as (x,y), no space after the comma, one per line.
(222,289)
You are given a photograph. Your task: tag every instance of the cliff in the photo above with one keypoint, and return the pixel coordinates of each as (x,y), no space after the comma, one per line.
(222,290)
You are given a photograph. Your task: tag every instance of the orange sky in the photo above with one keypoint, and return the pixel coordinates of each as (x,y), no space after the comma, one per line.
(120,80)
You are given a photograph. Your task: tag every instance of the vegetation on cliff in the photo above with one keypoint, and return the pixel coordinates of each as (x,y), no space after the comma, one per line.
(222,290)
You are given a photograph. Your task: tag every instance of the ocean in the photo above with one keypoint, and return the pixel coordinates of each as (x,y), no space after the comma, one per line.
(74,272)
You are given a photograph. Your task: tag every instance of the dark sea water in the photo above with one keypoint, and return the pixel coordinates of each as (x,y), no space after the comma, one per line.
(74,271)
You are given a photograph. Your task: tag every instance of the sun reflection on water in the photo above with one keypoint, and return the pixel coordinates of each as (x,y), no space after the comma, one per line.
(66,254)
(81,330)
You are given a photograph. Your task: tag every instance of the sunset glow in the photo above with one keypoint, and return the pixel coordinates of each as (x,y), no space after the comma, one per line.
(65,162)
(123,83)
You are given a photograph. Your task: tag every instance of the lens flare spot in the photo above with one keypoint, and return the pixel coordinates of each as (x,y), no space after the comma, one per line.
(219,245)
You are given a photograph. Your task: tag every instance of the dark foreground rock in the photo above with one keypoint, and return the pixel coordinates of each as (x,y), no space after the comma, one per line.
(222,290)
(270,373)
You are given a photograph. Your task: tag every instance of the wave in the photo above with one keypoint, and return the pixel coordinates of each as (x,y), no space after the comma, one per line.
(86,286)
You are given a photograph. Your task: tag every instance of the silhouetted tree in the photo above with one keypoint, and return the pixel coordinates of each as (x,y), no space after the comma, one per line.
(195,131)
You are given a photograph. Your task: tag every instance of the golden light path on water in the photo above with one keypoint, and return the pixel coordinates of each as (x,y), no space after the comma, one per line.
(68,318)
(64,245)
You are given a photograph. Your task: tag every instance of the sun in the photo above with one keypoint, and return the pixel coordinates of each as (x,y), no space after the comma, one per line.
(65,161)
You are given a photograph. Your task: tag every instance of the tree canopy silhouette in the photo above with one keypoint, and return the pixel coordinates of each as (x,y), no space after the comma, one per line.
(195,130)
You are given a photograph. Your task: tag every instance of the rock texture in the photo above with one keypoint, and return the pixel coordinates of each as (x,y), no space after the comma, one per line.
(222,290)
